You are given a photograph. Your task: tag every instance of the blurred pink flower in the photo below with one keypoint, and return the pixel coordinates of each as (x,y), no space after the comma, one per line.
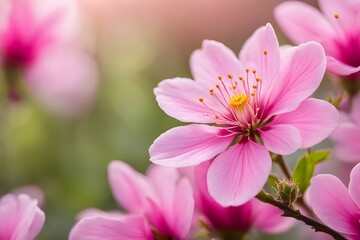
(160,202)
(252,215)
(336,206)
(347,136)
(337,28)
(262,95)
(38,41)
(20,217)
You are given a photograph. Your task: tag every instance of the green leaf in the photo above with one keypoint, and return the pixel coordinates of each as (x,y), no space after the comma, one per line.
(304,168)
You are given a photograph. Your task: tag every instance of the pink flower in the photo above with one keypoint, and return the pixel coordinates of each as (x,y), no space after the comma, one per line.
(20,217)
(38,41)
(336,206)
(160,202)
(262,95)
(252,215)
(337,28)
(347,136)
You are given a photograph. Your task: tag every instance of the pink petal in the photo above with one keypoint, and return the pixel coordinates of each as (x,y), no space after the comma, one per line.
(179,98)
(212,60)
(20,217)
(281,139)
(301,71)
(355,109)
(354,189)
(239,173)
(268,219)
(63,80)
(188,145)
(181,216)
(339,68)
(315,119)
(332,203)
(101,228)
(94,212)
(347,138)
(347,14)
(129,187)
(291,17)
(252,54)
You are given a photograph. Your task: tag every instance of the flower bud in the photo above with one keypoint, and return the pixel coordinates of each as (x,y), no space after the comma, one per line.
(287,191)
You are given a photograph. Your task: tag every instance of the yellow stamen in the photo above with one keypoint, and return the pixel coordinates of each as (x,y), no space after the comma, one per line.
(266,52)
(230,76)
(336,16)
(201,99)
(254,71)
(258,79)
(247,70)
(220,78)
(217,86)
(238,101)
(211,91)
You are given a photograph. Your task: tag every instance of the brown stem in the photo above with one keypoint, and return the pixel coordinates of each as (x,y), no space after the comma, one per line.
(290,212)
(279,159)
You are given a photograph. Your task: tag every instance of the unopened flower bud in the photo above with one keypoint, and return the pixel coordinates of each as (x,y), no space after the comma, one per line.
(287,191)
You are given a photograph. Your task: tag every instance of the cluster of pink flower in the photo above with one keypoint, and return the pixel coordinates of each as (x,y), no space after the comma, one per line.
(246,112)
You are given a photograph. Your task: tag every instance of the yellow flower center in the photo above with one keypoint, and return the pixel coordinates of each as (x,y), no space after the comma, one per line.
(238,101)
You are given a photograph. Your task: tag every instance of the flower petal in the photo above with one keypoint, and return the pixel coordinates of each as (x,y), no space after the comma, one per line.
(252,54)
(102,228)
(239,173)
(181,216)
(332,203)
(347,138)
(291,16)
(129,187)
(316,120)
(179,98)
(268,219)
(339,68)
(355,109)
(188,145)
(354,189)
(301,71)
(212,60)
(63,80)
(20,217)
(347,18)
(281,139)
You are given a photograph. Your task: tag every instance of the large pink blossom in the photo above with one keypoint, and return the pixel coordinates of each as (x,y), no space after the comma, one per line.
(263,94)
(253,215)
(20,217)
(336,27)
(347,136)
(160,202)
(336,206)
(38,43)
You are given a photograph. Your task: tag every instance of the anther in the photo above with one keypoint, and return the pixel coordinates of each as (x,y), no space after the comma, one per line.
(241,78)
(230,76)
(254,87)
(336,16)
(217,86)
(220,78)
(201,99)
(253,94)
(247,70)
(254,71)
(211,91)
(233,87)
(258,79)
(265,52)
(216,116)
(217,124)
